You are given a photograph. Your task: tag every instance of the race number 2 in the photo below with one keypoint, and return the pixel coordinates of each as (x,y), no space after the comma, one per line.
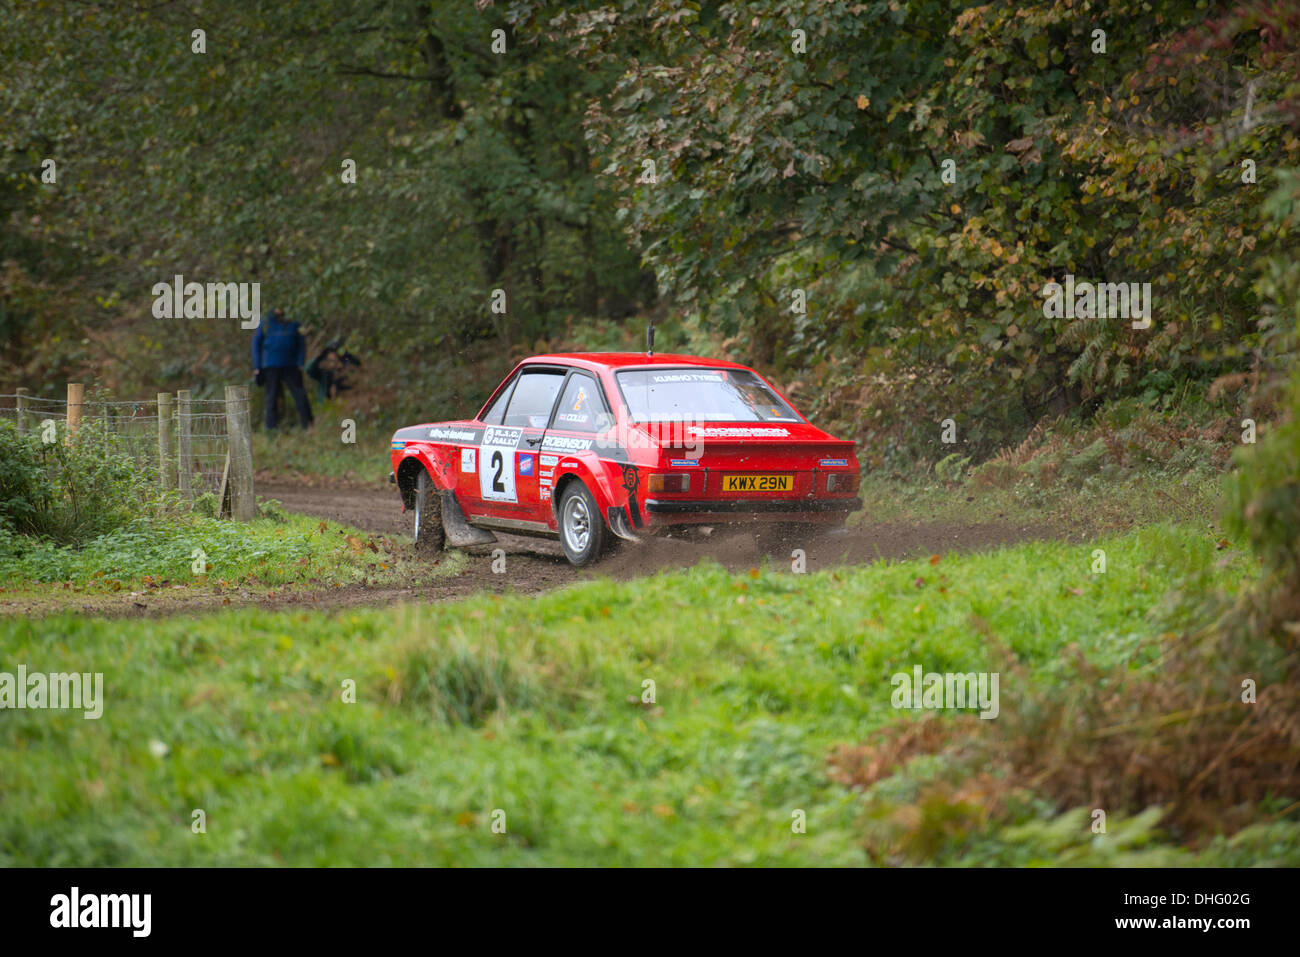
(496,464)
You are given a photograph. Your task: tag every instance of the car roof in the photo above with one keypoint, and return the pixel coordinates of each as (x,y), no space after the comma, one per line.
(625,360)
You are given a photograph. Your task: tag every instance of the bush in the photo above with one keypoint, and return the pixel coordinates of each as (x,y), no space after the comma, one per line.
(1264,495)
(71,491)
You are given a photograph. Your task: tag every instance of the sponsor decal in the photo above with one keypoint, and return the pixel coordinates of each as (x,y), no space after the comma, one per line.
(526,463)
(632,482)
(563,443)
(467,457)
(546,495)
(496,479)
(546,483)
(684,463)
(547,474)
(734,432)
(548,461)
(665,377)
(496,435)
(832,463)
(451,435)
(398,446)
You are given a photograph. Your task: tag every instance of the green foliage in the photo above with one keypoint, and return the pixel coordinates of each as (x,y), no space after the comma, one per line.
(775,169)
(206,505)
(950,467)
(292,454)
(534,705)
(272,509)
(472,174)
(1264,494)
(274,550)
(824,171)
(72,491)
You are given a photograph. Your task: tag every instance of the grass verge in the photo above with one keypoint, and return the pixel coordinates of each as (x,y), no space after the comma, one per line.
(199,554)
(332,450)
(687,718)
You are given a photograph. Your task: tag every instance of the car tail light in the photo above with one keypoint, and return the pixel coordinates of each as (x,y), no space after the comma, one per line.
(670,482)
(842,482)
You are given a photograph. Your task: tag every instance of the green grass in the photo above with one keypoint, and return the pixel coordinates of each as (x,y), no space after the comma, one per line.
(291,453)
(1127,465)
(1095,504)
(534,706)
(273,550)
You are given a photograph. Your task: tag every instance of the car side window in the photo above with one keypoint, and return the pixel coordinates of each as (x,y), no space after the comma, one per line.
(534,395)
(496,414)
(581,409)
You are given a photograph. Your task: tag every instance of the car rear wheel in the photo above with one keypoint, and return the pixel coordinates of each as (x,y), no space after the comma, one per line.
(429,533)
(583,535)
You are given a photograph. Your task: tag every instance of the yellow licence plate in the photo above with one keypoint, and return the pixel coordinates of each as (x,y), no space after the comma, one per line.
(758,483)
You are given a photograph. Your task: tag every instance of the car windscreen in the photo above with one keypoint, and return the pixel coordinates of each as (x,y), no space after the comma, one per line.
(701,395)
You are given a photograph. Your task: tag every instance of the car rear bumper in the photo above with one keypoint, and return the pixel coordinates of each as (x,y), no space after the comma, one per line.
(751,506)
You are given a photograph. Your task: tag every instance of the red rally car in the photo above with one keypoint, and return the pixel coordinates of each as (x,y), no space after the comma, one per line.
(595,447)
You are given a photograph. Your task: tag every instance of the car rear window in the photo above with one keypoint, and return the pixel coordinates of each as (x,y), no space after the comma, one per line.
(701,395)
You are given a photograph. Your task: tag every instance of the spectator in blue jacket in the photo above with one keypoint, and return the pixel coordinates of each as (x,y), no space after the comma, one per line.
(279,353)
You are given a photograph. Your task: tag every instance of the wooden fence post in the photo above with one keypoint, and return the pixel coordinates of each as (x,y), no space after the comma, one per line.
(184,442)
(239,438)
(166,462)
(21,403)
(76,397)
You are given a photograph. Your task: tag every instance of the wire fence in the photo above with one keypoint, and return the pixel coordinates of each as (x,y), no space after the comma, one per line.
(198,443)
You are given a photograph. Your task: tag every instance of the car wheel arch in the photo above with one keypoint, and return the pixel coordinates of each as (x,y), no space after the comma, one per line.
(594,482)
(408,474)
(561,483)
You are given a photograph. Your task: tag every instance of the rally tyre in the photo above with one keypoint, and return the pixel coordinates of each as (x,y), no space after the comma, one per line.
(583,535)
(430,536)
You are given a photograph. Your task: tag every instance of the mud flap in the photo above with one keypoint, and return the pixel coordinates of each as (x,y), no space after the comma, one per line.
(459,532)
(618,524)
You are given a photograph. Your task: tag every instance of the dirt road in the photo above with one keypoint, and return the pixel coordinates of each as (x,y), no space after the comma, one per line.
(532,565)
(538,564)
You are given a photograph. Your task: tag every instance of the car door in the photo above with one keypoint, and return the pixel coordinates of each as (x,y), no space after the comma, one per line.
(507,467)
(468,490)
(580,415)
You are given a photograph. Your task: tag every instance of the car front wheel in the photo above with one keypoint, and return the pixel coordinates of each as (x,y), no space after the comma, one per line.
(582,531)
(429,533)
